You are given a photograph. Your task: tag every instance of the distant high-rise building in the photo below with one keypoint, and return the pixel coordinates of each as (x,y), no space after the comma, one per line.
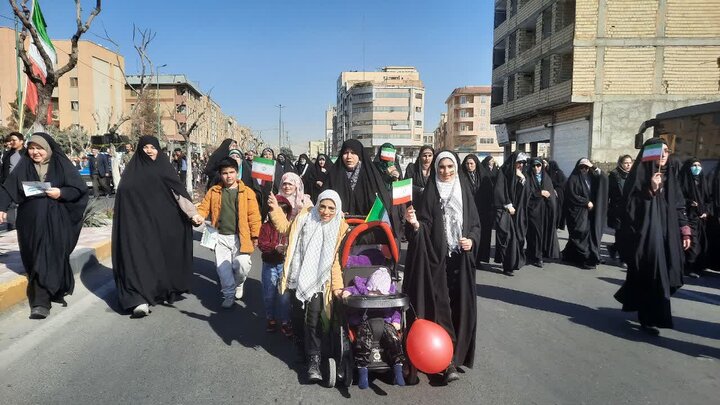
(379,107)
(330,114)
(468,122)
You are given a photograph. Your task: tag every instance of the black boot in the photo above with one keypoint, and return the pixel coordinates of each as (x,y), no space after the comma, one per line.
(39,312)
(313,373)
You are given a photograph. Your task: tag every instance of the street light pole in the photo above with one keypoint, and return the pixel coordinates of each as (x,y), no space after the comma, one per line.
(157,97)
(280,106)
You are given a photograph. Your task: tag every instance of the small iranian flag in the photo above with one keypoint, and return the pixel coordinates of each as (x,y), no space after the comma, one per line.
(378,212)
(263,169)
(652,152)
(387,154)
(402,191)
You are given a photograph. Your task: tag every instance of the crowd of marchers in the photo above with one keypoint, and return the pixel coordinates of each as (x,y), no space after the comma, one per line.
(664,214)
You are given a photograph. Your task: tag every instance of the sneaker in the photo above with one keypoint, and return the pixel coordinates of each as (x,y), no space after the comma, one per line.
(451,374)
(39,312)
(228,302)
(141,310)
(271,326)
(286,330)
(239,291)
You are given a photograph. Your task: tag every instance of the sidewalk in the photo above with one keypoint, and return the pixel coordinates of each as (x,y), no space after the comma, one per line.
(93,246)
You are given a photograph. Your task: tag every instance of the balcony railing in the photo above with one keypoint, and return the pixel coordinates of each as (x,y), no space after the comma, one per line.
(552,96)
(523,61)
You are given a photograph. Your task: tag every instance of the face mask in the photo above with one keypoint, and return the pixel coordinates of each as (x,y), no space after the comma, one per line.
(695,170)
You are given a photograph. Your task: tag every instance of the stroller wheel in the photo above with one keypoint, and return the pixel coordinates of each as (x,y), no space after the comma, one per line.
(331,372)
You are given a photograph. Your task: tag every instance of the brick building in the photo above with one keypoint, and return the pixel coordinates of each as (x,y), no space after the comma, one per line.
(579,76)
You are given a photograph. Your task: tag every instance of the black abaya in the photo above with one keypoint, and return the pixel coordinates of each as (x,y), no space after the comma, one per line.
(559,180)
(486,209)
(47,229)
(442,288)
(654,256)
(414,171)
(475,182)
(585,226)
(697,203)
(510,230)
(320,176)
(152,237)
(542,241)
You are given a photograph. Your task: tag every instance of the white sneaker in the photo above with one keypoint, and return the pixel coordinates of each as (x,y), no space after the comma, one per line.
(141,310)
(239,291)
(228,302)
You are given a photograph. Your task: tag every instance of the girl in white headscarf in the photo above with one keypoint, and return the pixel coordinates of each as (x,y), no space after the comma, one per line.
(292,188)
(443,234)
(312,268)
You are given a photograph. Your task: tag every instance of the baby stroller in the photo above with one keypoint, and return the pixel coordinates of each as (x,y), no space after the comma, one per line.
(362,260)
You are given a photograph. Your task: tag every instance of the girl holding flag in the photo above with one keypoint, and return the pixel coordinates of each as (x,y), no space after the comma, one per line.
(656,228)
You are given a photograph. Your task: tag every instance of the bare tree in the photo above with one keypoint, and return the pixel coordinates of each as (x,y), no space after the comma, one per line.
(185,131)
(45,88)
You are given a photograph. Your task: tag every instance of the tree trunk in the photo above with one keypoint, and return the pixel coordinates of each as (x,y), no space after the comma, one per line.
(188,159)
(44,99)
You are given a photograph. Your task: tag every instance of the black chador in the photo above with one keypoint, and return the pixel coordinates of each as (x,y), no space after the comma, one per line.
(586,201)
(655,223)
(510,200)
(486,209)
(697,207)
(440,277)
(541,238)
(558,180)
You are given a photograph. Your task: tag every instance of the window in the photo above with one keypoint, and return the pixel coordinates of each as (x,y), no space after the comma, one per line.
(75,105)
(418,109)
(363,95)
(418,123)
(483,111)
(390,95)
(486,140)
(463,99)
(73,82)
(418,96)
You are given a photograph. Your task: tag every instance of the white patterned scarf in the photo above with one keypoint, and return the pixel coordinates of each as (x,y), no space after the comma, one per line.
(451,203)
(315,248)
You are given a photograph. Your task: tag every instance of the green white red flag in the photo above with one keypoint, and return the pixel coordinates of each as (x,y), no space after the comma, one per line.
(38,63)
(652,152)
(263,169)
(387,154)
(402,191)
(378,212)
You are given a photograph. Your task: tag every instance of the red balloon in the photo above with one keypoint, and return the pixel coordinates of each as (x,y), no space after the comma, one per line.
(429,346)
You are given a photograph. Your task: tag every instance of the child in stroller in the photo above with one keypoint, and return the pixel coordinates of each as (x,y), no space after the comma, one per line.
(380,325)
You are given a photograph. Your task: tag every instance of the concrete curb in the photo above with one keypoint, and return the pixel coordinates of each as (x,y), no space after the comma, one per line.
(13,291)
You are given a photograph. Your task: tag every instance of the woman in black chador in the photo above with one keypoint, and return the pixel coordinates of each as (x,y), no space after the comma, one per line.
(586,199)
(480,185)
(697,206)
(49,222)
(440,269)
(419,171)
(657,231)
(510,200)
(541,238)
(356,179)
(616,183)
(152,236)
(558,180)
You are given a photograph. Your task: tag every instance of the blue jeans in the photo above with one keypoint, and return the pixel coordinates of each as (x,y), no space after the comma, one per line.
(277,306)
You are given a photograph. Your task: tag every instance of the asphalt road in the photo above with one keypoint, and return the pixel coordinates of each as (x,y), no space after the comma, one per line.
(545,336)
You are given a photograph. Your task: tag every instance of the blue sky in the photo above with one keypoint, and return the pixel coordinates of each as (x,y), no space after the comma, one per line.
(257,54)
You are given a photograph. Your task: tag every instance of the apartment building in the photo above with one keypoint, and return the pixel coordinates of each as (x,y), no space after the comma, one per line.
(330,114)
(90,96)
(468,122)
(440,132)
(379,107)
(180,102)
(580,76)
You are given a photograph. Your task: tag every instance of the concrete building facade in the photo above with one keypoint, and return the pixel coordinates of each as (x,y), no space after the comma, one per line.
(90,96)
(379,107)
(330,114)
(181,100)
(582,75)
(468,122)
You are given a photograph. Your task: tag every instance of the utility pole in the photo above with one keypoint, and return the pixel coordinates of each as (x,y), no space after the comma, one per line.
(20,101)
(157,97)
(280,131)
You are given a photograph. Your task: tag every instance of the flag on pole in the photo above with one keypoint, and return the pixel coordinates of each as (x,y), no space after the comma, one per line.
(387,154)
(263,169)
(378,212)
(402,191)
(38,64)
(652,152)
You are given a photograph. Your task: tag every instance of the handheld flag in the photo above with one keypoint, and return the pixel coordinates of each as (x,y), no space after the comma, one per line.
(402,191)
(378,212)
(652,152)
(387,154)
(263,169)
